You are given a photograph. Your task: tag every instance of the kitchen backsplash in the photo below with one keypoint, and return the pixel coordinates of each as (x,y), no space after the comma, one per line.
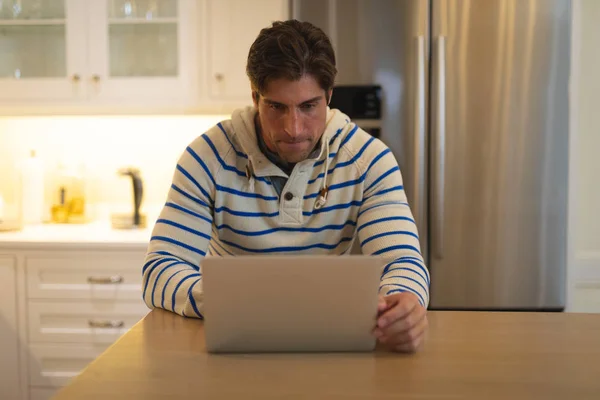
(99,146)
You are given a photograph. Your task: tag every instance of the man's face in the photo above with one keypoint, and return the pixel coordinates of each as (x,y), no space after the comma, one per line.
(292,116)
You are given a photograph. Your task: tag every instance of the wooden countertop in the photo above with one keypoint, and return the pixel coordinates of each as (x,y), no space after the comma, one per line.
(467,355)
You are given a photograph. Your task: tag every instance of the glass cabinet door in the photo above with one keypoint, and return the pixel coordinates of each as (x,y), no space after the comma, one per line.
(140,49)
(40,49)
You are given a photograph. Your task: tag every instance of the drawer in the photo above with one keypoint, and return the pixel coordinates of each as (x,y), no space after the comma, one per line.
(53,366)
(85,322)
(41,394)
(90,275)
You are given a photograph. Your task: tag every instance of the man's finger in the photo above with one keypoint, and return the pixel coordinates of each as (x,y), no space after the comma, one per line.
(400,310)
(396,338)
(381,305)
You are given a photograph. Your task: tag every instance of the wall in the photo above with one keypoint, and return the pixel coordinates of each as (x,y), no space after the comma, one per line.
(584,187)
(103,145)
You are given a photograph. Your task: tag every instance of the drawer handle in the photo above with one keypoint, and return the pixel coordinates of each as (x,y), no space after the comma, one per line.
(111,280)
(106,324)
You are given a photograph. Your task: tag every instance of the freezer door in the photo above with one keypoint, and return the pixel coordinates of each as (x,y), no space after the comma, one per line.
(386,43)
(499,153)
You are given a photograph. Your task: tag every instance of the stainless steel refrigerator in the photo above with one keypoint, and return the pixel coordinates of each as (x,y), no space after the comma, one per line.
(475,106)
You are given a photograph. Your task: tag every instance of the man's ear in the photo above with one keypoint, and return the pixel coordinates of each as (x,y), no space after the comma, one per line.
(329,95)
(255,97)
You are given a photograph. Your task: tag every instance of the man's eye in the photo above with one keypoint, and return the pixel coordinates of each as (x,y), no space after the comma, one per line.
(308,106)
(277,107)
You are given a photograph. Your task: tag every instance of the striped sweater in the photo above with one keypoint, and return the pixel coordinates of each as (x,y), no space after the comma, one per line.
(222,202)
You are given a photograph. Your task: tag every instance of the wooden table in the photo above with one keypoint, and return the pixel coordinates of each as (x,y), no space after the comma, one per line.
(467,355)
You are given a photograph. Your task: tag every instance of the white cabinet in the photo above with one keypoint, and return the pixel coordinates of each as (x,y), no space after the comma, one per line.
(84,275)
(78,303)
(93,55)
(124,56)
(143,52)
(60,309)
(232,27)
(43,51)
(53,366)
(9,356)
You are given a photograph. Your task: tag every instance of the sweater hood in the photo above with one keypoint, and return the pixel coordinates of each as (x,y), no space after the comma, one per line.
(259,165)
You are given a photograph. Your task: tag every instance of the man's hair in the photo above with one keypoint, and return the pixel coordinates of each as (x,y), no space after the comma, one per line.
(291,49)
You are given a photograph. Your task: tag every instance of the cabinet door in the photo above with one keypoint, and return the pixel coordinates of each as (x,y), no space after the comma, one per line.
(142,53)
(54,365)
(232,28)
(42,51)
(9,358)
(85,322)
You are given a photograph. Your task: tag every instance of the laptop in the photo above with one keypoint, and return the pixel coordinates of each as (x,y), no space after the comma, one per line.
(290,303)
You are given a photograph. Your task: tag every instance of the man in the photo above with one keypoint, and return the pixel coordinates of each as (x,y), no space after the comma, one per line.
(289,176)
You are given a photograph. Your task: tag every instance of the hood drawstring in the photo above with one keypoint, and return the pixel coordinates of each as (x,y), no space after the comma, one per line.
(322,198)
(250,176)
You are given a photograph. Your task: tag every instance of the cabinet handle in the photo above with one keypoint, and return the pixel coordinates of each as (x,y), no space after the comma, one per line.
(110,280)
(219,77)
(106,324)
(96,78)
(76,78)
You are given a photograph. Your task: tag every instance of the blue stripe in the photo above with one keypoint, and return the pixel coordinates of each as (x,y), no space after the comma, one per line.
(178,243)
(194,199)
(386,203)
(405,289)
(202,164)
(317,163)
(189,212)
(348,136)
(160,261)
(345,163)
(290,248)
(390,233)
(337,134)
(399,188)
(177,289)
(195,182)
(221,161)
(153,268)
(331,208)
(405,269)
(183,227)
(215,240)
(239,153)
(193,301)
(245,194)
(407,260)
(397,247)
(385,174)
(227,167)
(286,229)
(162,296)
(338,186)
(245,213)
(415,281)
(377,158)
(158,277)
(212,249)
(376,221)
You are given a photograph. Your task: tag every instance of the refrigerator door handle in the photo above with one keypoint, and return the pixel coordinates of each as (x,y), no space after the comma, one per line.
(439,137)
(419,136)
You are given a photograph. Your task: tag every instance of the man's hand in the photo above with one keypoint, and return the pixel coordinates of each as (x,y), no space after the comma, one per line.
(401,322)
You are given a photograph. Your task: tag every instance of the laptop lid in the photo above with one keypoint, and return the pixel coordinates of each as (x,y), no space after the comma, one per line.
(290,303)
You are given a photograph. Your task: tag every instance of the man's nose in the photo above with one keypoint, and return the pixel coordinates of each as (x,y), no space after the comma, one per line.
(293,123)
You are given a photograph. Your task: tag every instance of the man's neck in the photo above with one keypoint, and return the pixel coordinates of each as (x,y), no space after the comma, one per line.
(274,157)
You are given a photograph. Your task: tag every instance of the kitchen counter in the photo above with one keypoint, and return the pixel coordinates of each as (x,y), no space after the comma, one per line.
(89,236)
(467,355)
